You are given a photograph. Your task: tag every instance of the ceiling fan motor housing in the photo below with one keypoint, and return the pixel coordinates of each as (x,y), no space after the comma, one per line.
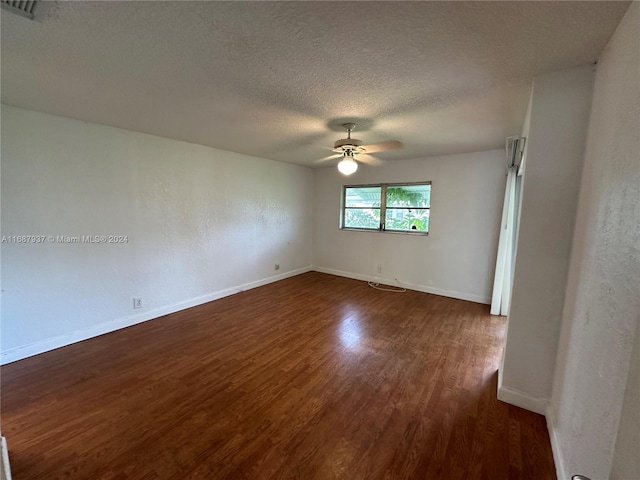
(351,144)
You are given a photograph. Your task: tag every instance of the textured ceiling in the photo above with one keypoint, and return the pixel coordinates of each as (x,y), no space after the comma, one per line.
(272,79)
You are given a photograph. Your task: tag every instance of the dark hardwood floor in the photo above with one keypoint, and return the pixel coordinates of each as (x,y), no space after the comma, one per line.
(314,377)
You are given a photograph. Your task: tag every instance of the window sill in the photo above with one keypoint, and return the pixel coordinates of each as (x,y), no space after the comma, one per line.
(371,230)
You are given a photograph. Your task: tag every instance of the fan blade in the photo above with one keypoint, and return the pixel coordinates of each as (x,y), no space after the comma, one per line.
(383,146)
(329,157)
(368,159)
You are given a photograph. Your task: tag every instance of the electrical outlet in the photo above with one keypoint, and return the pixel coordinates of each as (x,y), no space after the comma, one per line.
(276,266)
(379,269)
(137,303)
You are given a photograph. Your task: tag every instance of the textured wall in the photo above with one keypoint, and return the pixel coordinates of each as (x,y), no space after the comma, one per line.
(458,256)
(626,461)
(601,312)
(198,220)
(555,148)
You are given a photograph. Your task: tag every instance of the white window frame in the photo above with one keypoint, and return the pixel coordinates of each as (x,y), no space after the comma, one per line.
(383,208)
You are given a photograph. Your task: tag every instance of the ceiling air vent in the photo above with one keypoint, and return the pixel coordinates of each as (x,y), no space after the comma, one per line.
(20,7)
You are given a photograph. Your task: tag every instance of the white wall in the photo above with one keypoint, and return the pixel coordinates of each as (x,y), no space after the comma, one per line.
(595,412)
(559,118)
(458,256)
(201,223)
(526,126)
(626,461)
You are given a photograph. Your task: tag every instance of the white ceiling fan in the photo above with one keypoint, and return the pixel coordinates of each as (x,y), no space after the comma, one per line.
(352,149)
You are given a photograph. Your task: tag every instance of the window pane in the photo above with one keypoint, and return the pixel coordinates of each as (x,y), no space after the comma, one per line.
(362,196)
(407,219)
(408,195)
(362,218)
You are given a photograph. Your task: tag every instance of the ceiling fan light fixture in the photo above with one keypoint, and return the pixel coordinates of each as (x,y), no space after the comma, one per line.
(350,147)
(347,165)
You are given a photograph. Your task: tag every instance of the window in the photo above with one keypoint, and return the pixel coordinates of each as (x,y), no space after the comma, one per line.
(387,207)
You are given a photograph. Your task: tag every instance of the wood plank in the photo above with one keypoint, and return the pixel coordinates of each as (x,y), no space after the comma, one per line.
(313,377)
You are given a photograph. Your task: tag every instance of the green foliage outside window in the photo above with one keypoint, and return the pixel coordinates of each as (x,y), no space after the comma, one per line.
(406,207)
(360,218)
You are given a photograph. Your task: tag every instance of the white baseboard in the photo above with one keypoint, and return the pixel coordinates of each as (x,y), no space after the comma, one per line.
(6,468)
(522,400)
(36,348)
(410,286)
(561,472)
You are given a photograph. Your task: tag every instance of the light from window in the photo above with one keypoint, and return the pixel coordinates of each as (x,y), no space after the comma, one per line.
(387,207)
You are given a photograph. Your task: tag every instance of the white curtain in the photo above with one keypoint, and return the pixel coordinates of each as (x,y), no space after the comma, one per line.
(506,245)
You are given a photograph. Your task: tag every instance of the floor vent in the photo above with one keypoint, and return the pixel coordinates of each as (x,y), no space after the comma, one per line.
(20,7)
